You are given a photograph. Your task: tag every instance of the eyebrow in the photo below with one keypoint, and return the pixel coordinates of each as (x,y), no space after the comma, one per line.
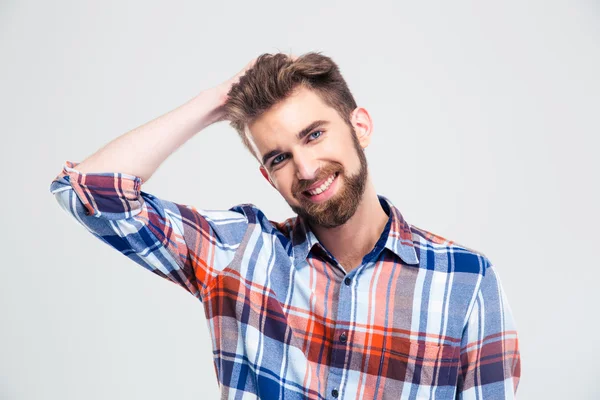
(300,135)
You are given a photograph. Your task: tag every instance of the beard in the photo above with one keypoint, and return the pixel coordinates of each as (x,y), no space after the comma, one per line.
(341,207)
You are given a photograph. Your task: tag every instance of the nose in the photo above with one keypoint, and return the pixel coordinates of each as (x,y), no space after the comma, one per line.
(306,165)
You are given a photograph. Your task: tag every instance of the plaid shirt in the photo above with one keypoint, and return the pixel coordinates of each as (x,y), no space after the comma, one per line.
(421,317)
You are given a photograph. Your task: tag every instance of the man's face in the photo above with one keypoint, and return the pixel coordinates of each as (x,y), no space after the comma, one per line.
(312,157)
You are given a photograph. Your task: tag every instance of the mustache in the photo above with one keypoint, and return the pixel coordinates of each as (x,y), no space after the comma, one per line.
(303,185)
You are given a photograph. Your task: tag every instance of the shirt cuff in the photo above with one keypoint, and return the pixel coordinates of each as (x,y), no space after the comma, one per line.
(112,195)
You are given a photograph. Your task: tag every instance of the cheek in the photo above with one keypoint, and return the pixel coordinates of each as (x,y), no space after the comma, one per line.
(340,150)
(283,181)
(351,157)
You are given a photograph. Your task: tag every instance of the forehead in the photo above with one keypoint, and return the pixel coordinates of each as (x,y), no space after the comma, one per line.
(280,124)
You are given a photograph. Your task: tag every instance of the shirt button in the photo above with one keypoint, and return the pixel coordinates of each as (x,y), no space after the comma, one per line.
(347,281)
(343,337)
(334,393)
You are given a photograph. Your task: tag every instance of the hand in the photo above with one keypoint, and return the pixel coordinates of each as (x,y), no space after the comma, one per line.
(225,87)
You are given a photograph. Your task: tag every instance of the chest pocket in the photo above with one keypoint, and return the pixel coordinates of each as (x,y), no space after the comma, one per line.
(419,363)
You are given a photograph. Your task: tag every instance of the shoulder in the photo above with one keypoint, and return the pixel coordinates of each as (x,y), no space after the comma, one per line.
(435,249)
(284,227)
(255,215)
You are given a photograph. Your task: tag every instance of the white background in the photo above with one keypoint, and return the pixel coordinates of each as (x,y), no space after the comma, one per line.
(486,120)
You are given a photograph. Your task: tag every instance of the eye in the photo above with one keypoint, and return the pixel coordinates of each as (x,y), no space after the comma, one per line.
(315,135)
(278,159)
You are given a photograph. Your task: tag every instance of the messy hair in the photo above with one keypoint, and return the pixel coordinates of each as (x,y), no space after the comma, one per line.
(274,77)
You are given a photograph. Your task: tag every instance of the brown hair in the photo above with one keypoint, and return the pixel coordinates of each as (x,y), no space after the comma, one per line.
(275,76)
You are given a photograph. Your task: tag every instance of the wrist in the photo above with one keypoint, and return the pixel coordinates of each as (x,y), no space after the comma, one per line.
(207,107)
(220,92)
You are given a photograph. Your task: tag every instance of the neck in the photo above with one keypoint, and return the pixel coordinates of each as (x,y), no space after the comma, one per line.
(350,242)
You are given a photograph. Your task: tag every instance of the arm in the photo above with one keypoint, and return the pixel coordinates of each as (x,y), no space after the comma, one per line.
(156,140)
(183,244)
(490,358)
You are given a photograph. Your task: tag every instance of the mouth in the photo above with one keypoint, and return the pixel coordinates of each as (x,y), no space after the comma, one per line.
(324,191)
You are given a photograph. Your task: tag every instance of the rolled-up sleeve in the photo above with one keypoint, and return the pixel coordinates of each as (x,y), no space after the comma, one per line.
(185,245)
(490,358)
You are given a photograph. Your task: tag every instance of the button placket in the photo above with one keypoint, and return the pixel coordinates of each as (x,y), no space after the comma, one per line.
(343,336)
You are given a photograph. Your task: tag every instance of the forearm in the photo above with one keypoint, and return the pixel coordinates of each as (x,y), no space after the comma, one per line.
(142,150)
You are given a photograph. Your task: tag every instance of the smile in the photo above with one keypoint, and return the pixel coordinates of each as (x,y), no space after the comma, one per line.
(323,187)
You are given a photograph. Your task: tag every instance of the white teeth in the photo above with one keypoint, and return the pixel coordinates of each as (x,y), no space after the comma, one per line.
(323,187)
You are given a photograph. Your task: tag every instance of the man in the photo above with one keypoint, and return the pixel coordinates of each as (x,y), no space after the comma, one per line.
(346,300)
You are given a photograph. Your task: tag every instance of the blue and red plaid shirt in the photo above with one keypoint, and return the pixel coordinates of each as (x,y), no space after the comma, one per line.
(421,317)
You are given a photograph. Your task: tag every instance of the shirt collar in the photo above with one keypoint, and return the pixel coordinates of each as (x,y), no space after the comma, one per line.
(398,240)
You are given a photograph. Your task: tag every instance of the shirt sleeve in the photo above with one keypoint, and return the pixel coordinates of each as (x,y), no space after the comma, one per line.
(180,243)
(490,358)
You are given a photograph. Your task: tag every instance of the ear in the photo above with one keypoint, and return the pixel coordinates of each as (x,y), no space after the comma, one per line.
(265,174)
(363,125)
